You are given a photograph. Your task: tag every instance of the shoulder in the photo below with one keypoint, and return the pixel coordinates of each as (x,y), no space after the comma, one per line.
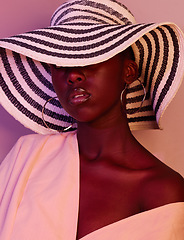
(37,140)
(162,186)
(29,145)
(29,142)
(25,145)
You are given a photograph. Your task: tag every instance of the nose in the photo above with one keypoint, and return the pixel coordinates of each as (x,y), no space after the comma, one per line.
(75,75)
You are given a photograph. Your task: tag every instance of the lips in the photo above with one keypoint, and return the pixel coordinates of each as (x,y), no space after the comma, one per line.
(78,96)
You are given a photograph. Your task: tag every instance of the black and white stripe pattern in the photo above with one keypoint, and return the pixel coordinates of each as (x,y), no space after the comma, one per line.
(82,33)
(61,44)
(94,11)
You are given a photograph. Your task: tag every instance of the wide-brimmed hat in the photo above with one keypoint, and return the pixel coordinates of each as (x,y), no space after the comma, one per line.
(85,32)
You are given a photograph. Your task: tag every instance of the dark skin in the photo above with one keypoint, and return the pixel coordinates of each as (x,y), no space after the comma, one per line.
(118,176)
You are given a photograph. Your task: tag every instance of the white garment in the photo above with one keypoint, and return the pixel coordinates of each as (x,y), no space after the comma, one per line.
(39,197)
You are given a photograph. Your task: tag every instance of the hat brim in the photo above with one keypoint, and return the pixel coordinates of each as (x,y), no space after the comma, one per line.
(25,76)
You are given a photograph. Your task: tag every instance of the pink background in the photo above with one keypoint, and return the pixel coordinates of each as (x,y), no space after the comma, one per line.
(18,16)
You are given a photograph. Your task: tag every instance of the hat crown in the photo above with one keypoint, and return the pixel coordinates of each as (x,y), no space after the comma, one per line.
(92,12)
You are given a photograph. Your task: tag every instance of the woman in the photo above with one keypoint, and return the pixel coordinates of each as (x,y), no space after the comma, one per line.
(91,74)
(109,154)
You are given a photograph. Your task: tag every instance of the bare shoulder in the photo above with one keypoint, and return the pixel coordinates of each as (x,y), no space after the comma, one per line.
(162,186)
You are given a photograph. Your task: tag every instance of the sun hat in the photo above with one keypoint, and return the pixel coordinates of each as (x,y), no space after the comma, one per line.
(85,32)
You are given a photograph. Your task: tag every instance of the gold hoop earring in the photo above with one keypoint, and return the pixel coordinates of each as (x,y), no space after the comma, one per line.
(43,110)
(121,96)
(144,97)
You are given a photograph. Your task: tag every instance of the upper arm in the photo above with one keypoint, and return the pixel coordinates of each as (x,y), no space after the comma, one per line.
(163,189)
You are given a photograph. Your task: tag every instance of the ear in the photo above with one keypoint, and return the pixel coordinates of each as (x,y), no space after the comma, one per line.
(131,71)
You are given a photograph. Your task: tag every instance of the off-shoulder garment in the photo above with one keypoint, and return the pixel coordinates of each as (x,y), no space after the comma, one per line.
(39,197)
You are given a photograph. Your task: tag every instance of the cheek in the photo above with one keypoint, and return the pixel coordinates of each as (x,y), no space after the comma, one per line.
(58,84)
(111,86)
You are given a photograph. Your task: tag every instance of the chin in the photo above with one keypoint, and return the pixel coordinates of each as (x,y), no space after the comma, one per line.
(82,114)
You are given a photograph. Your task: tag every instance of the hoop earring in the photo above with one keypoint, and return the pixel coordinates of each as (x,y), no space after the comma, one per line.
(43,110)
(144,97)
(121,96)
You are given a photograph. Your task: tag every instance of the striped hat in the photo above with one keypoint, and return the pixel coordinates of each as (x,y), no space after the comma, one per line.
(85,32)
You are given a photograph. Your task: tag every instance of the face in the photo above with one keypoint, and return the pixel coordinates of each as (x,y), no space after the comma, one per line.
(90,92)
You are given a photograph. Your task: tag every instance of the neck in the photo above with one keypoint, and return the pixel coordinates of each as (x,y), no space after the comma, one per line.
(110,139)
